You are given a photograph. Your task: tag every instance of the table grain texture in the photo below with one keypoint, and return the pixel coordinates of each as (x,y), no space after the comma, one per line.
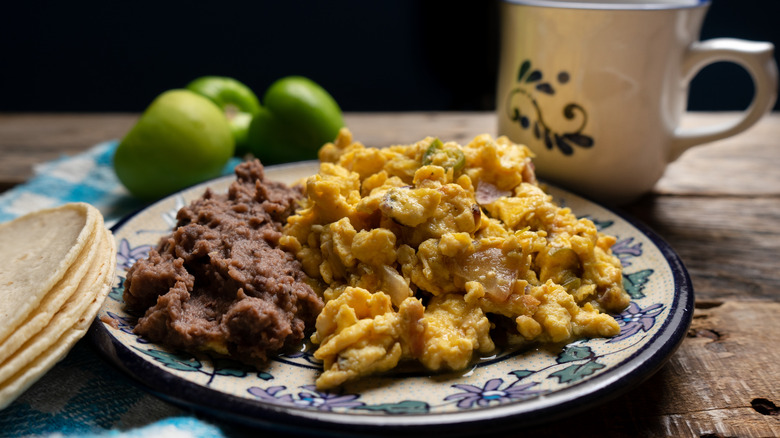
(718,206)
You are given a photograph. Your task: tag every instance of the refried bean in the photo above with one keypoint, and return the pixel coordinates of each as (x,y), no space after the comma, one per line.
(219,281)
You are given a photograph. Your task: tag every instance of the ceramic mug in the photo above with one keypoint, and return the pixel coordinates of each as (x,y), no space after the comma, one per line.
(597,89)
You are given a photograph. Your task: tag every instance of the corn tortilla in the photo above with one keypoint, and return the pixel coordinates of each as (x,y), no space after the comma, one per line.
(24,377)
(56,297)
(71,311)
(36,251)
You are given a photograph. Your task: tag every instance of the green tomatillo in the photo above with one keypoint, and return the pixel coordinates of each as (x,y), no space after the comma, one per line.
(237,101)
(297,117)
(181,139)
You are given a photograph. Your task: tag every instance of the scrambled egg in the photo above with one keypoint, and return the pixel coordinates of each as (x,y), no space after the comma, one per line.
(427,251)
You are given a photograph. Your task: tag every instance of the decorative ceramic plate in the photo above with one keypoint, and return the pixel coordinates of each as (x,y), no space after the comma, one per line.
(509,389)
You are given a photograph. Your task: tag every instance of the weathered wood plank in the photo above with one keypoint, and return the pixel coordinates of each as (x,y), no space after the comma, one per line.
(385,129)
(722,382)
(29,139)
(742,165)
(730,245)
(745,164)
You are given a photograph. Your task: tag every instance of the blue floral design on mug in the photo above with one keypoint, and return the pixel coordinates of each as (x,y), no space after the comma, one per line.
(523,107)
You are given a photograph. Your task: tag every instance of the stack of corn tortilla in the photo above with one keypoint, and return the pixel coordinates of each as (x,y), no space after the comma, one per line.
(56,268)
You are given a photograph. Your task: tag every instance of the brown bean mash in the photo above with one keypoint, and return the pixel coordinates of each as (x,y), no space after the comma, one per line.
(220,282)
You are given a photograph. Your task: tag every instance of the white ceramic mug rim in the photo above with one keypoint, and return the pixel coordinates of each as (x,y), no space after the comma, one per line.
(617,5)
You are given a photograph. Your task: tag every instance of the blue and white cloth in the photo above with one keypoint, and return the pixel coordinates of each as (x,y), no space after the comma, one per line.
(87,177)
(84,395)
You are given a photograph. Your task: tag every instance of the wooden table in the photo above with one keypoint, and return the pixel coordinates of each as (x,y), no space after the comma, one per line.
(719,208)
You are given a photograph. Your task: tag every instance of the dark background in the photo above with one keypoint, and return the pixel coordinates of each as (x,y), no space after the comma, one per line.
(384,55)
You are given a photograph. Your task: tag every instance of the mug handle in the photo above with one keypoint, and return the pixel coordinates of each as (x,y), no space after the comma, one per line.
(755,57)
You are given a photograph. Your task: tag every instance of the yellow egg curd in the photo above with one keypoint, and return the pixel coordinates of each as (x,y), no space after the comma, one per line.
(426,251)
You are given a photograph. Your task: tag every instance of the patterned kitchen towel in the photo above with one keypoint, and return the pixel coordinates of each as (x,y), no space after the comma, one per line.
(83,395)
(86,177)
